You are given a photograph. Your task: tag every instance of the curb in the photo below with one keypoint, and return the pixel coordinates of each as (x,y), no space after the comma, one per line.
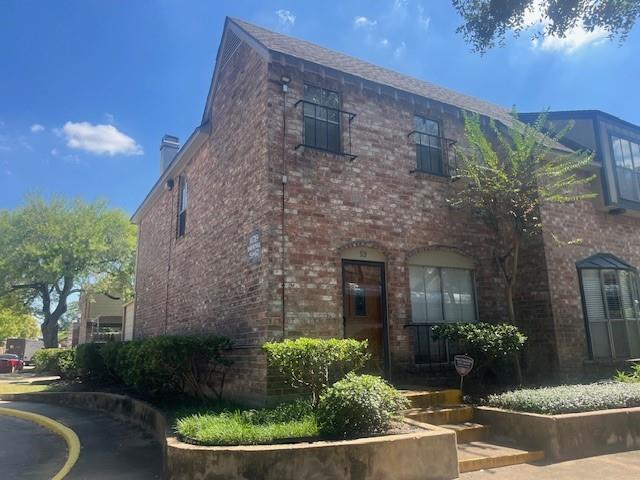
(69,436)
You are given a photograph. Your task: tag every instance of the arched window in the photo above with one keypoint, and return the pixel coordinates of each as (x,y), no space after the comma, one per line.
(611,303)
(442,288)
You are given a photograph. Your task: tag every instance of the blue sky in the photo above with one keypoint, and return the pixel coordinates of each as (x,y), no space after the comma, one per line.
(88,87)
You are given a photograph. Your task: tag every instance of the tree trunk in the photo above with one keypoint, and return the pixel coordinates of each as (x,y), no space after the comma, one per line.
(50,330)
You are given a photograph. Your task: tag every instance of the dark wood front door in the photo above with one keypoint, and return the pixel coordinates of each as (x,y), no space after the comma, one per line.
(364,309)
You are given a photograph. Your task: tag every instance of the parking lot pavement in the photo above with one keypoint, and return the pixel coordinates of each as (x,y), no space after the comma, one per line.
(29,451)
(618,466)
(109,449)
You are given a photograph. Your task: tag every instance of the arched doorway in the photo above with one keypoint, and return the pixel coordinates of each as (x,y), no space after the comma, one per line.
(364,302)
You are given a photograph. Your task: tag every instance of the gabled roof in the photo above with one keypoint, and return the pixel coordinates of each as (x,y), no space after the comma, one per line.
(604,260)
(310,52)
(576,114)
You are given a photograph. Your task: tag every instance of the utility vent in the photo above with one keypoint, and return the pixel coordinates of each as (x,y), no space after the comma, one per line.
(231,44)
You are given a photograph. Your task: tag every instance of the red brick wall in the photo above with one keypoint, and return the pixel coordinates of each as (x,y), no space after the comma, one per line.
(203,282)
(596,231)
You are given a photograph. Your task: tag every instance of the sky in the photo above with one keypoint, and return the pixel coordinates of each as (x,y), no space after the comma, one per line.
(88,87)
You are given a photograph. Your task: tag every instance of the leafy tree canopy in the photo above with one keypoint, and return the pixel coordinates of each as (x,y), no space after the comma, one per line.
(16,321)
(486,22)
(508,175)
(52,250)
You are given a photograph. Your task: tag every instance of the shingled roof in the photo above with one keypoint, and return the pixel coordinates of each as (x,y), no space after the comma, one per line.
(310,52)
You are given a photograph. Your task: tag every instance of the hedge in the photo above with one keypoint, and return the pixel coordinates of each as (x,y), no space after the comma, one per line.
(56,361)
(158,366)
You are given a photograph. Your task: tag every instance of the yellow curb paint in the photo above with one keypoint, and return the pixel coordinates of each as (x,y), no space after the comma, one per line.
(73,442)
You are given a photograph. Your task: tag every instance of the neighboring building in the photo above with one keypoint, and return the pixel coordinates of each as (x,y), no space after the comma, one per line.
(100,318)
(127,320)
(594,285)
(312,201)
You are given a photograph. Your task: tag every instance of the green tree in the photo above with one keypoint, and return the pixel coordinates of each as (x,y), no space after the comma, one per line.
(16,321)
(487,22)
(507,176)
(51,250)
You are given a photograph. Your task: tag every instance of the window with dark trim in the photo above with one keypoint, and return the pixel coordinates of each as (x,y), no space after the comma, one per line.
(611,301)
(442,295)
(626,155)
(322,118)
(429,154)
(183,203)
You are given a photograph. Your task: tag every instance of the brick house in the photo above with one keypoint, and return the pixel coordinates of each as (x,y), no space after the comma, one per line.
(311,201)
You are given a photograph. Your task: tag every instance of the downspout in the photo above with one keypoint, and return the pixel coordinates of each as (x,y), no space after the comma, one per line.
(170,185)
(285,88)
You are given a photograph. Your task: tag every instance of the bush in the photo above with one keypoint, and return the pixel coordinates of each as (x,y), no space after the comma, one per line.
(569,398)
(491,345)
(57,361)
(313,363)
(359,405)
(632,377)
(90,362)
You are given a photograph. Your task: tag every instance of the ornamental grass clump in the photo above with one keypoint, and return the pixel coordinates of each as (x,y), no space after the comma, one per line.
(569,398)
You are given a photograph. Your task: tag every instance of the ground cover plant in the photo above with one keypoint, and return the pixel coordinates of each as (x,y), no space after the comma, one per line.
(569,398)
(228,425)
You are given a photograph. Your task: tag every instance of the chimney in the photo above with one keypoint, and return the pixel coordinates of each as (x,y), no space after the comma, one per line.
(168,150)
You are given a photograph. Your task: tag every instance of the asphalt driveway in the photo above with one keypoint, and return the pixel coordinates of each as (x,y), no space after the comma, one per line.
(109,449)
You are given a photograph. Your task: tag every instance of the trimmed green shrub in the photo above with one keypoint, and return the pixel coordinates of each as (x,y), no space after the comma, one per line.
(313,364)
(629,377)
(359,405)
(491,345)
(90,362)
(173,365)
(569,398)
(56,361)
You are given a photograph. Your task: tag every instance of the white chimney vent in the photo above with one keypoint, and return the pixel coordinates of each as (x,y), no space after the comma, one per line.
(168,150)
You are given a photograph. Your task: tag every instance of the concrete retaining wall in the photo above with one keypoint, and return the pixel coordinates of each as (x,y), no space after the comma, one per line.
(568,436)
(427,454)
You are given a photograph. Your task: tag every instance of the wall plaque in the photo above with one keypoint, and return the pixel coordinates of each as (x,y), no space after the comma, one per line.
(254,247)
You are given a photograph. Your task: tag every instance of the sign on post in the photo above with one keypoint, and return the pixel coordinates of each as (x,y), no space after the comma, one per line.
(463,364)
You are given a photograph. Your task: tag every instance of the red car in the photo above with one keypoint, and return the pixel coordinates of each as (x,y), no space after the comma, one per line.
(10,363)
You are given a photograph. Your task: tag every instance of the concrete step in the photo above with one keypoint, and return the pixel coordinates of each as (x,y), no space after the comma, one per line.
(439,415)
(474,456)
(468,431)
(431,398)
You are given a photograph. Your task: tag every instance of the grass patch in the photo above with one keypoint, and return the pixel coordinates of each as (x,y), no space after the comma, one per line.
(226,425)
(569,398)
(22,388)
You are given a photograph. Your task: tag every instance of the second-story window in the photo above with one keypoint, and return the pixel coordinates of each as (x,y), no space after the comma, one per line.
(627,158)
(321,118)
(429,155)
(183,203)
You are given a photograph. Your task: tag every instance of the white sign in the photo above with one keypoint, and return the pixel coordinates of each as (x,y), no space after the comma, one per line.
(463,364)
(254,247)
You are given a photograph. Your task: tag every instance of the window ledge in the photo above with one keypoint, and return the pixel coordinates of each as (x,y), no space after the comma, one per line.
(610,362)
(350,156)
(431,176)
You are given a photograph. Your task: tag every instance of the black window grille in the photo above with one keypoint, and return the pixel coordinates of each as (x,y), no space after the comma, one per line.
(429,147)
(322,118)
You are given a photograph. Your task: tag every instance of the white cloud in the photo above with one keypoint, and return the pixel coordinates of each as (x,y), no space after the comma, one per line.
(423,20)
(36,127)
(399,51)
(109,117)
(400,3)
(575,38)
(286,18)
(363,22)
(384,42)
(99,139)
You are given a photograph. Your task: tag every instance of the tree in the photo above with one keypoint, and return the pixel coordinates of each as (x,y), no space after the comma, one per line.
(486,22)
(16,321)
(506,187)
(50,251)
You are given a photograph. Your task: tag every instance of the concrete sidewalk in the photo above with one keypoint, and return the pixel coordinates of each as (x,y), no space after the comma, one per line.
(109,449)
(618,466)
